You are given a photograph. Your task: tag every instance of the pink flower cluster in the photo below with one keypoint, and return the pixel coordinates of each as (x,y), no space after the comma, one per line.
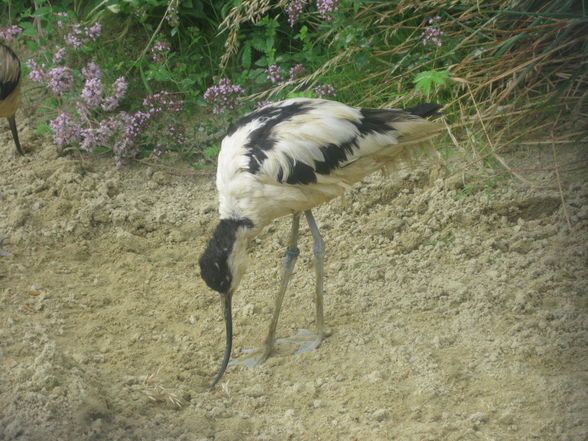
(297,71)
(294,9)
(58,55)
(91,97)
(326,7)
(36,73)
(163,102)
(173,17)
(431,34)
(66,130)
(224,96)
(91,70)
(60,80)
(86,130)
(159,50)
(274,73)
(324,90)
(80,35)
(10,32)
(119,90)
(87,124)
(261,104)
(118,132)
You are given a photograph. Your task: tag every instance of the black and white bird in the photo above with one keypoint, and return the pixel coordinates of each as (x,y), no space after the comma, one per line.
(287,158)
(10,76)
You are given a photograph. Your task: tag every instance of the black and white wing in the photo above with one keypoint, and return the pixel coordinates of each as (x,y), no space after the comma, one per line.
(305,141)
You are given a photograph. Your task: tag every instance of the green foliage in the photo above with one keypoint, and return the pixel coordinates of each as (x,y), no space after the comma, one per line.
(425,80)
(373,52)
(212,151)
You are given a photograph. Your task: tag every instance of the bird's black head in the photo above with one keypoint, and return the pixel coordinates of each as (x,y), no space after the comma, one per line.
(222,265)
(215,267)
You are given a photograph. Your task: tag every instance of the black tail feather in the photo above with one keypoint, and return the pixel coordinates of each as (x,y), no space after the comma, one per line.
(425,110)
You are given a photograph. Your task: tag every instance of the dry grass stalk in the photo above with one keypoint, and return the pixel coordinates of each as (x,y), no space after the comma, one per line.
(559,186)
(157,393)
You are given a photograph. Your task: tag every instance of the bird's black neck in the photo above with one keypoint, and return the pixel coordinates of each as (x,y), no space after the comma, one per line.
(214,262)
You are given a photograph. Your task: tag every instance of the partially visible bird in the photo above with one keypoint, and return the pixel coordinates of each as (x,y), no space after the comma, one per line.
(10,76)
(287,158)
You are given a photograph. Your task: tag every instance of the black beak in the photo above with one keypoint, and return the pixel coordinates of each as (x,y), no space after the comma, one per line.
(229,337)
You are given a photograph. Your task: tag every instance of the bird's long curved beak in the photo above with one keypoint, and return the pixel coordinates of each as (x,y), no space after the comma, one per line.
(229,337)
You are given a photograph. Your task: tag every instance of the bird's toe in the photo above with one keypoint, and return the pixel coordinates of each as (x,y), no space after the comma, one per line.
(305,339)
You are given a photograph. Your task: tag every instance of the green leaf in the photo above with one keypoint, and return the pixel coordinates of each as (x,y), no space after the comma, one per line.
(305,94)
(212,151)
(246,57)
(424,80)
(45,10)
(43,128)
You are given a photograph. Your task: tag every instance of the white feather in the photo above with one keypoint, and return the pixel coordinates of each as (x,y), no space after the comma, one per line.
(261,197)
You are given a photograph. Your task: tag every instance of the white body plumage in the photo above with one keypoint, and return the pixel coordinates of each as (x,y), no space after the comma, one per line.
(272,189)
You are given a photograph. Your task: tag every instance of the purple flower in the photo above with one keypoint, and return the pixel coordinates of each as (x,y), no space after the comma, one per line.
(159,50)
(120,89)
(10,32)
(60,80)
(94,31)
(325,7)
(58,55)
(90,139)
(274,74)
(176,132)
(223,96)
(37,73)
(92,70)
(163,101)
(66,130)
(261,104)
(92,93)
(60,23)
(324,90)
(135,124)
(75,37)
(172,16)
(431,34)
(296,72)
(79,36)
(293,10)
(102,135)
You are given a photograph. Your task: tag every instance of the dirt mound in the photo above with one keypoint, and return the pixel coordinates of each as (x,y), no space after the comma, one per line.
(458,310)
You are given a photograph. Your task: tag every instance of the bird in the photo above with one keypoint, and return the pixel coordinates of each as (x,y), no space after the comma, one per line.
(285,159)
(10,76)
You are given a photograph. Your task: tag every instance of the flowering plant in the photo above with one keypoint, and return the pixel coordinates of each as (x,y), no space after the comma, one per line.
(89,107)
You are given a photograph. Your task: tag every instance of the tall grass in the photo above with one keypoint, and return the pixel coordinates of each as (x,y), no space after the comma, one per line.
(498,66)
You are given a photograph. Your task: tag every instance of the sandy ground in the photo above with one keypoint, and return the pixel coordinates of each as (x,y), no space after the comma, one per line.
(457,313)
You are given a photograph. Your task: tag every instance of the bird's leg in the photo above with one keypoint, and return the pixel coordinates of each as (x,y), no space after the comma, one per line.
(306,340)
(289,262)
(12,124)
(319,259)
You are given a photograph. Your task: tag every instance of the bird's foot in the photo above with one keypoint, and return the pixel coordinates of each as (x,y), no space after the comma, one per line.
(257,357)
(305,339)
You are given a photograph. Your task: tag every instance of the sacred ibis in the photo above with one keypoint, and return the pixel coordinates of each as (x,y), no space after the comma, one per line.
(287,158)
(10,76)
